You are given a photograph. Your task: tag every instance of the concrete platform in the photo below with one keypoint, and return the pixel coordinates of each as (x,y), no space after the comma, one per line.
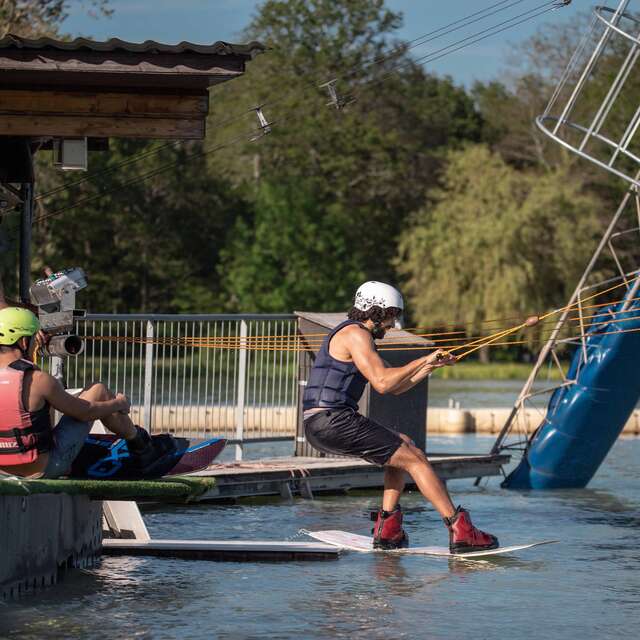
(307,476)
(42,536)
(233,550)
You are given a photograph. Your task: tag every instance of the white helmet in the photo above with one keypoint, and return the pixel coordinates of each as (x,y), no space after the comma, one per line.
(378,294)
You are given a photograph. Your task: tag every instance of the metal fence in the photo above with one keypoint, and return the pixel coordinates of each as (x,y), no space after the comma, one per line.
(192,390)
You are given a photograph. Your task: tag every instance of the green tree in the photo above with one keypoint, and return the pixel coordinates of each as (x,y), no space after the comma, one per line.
(37,18)
(293,255)
(509,108)
(366,167)
(147,245)
(352,176)
(31,19)
(494,241)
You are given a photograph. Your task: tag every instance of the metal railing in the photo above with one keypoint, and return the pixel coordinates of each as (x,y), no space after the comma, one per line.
(601,72)
(225,389)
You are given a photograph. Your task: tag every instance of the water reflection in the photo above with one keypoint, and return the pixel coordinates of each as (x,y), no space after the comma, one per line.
(595,500)
(493,563)
(585,587)
(369,604)
(590,506)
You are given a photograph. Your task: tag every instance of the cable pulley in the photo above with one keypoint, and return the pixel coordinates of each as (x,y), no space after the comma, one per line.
(335,100)
(264,125)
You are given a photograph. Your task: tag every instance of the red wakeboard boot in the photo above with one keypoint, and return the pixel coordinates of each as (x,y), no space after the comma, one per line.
(464,537)
(388,532)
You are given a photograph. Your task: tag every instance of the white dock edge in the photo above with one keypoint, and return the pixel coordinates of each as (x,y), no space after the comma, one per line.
(222,549)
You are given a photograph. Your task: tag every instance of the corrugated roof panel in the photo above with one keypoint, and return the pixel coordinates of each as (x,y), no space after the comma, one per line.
(219,48)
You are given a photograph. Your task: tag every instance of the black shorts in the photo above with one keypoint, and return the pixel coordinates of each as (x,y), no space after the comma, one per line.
(345,432)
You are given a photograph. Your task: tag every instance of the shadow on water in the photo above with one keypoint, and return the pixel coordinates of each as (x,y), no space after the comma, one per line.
(380,587)
(497,563)
(590,506)
(595,500)
(371,602)
(117,583)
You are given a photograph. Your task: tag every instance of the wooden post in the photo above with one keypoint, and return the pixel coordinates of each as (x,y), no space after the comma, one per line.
(242,379)
(148,377)
(26,222)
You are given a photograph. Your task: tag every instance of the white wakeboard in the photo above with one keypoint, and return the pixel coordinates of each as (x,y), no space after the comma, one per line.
(364,544)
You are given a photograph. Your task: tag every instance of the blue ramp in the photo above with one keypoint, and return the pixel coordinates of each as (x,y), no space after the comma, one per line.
(584,419)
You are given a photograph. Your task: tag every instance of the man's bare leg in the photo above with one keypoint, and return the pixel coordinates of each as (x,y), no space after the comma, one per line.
(118,423)
(414,461)
(464,537)
(393,487)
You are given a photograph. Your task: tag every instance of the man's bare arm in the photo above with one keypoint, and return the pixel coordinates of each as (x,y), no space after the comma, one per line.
(435,360)
(78,408)
(370,364)
(427,369)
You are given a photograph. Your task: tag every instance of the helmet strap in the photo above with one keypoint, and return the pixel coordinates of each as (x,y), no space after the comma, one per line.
(26,352)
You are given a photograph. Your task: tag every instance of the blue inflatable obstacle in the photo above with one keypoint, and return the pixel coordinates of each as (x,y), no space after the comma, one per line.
(583,420)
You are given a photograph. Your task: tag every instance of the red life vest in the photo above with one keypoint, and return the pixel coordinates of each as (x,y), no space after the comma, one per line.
(23,434)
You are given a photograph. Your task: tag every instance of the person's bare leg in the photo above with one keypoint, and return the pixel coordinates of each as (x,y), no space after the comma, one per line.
(393,487)
(118,423)
(410,459)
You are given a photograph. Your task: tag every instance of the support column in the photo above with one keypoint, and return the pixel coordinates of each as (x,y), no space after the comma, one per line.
(241,388)
(26,222)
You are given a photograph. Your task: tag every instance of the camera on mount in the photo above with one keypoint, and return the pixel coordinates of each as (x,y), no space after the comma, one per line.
(55,297)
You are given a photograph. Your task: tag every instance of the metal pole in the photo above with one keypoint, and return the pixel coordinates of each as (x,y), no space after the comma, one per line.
(242,378)
(604,39)
(26,222)
(631,295)
(148,375)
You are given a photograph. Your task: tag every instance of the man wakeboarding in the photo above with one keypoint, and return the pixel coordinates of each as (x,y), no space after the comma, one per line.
(346,361)
(30,446)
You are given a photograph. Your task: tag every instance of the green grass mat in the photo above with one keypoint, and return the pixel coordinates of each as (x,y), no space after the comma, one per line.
(181,489)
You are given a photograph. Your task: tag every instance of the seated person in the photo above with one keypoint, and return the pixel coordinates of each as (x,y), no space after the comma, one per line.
(30,446)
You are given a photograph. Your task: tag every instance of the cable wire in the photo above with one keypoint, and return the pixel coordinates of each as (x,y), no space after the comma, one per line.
(428,37)
(463,43)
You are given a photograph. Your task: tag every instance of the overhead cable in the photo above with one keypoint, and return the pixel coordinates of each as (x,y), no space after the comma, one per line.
(420,40)
(434,55)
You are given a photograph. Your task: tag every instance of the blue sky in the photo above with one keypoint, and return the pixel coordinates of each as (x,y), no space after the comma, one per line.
(205,21)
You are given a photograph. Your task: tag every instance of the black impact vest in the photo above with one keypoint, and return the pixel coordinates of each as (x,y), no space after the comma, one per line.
(333,384)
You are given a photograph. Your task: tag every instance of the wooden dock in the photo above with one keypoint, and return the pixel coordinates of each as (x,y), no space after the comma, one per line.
(222,550)
(290,476)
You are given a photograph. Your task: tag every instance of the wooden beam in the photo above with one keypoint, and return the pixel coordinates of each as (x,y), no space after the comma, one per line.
(103,104)
(102,127)
(298,475)
(88,81)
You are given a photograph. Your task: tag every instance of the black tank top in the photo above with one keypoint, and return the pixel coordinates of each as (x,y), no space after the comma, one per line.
(333,384)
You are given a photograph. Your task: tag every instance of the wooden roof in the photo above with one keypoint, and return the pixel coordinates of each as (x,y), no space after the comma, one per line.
(115,44)
(116,63)
(112,89)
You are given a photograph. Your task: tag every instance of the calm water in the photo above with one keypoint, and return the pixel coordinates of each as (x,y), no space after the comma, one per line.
(476,394)
(587,587)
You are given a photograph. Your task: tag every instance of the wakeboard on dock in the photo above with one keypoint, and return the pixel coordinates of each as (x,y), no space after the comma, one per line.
(106,457)
(364,544)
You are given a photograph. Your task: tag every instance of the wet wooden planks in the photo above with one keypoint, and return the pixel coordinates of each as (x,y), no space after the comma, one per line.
(305,476)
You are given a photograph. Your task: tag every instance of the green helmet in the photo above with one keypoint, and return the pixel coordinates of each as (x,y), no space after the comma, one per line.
(16,323)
